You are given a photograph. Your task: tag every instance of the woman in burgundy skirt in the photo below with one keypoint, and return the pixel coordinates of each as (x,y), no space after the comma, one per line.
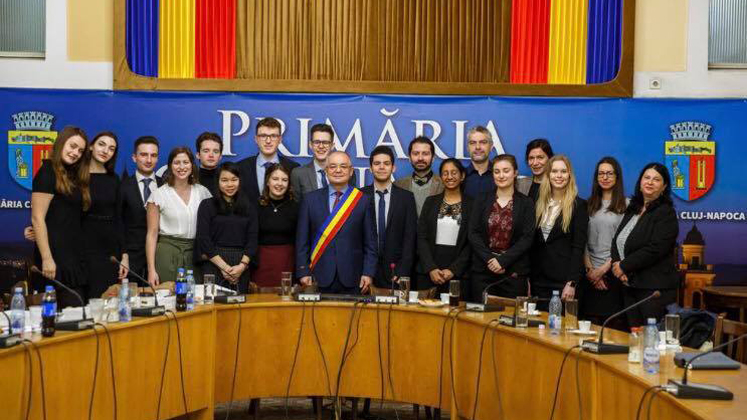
(277,213)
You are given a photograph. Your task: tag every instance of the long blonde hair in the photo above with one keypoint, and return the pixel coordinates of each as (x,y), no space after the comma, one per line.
(545,193)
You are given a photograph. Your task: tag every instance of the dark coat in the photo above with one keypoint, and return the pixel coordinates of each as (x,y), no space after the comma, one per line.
(427,227)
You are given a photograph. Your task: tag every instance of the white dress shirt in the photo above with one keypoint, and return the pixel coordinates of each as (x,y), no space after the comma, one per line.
(261,169)
(387,200)
(178,219)
(141,185)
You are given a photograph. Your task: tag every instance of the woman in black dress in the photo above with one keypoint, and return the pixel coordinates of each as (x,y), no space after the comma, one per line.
(443,244)
(102,224)
(278,212)
(501,234)
(227,230)
(57,200)
(643,247)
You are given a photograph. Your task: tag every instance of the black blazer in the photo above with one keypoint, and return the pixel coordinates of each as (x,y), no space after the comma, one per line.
(649,249)
(560,258)
(133,213)
(248,172)
(516,258)
(427,225)
(401,230)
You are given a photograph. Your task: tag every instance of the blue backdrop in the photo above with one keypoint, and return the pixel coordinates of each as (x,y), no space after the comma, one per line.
(633,130)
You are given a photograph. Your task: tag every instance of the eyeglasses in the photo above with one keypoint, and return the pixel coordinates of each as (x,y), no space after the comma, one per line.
(606,174)
(321,143)
(264,137)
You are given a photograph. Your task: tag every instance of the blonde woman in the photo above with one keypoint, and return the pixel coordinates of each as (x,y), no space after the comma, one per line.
(560,237)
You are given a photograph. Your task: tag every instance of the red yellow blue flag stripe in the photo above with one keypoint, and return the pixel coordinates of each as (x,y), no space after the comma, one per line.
(334,223)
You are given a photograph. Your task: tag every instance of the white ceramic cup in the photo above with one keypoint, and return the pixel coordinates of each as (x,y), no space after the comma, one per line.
(199,293)
(531,307)
(414,296)
(445,298)
(584,326)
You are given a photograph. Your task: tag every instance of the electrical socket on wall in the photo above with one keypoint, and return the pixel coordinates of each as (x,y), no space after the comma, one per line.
(654,83)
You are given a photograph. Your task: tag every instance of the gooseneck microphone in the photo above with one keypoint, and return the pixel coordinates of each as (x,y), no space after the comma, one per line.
(598,346)
(155,310)
(684,390)
(79,325)
(484,306)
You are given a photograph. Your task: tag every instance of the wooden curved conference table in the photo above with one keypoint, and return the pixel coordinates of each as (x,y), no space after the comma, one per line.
(395,348)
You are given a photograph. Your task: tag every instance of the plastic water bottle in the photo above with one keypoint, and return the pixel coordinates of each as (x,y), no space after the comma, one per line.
(556,313)
(650,352)
(17,312)
(49,311)
(181,291)
(190,290)
(125,311)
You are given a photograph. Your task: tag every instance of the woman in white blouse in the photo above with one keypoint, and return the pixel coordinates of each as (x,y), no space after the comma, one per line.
(172,218)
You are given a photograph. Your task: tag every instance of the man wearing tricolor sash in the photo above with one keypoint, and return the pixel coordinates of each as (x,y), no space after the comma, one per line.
(336,243)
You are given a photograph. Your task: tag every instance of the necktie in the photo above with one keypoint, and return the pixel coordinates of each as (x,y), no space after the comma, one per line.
(324,178)
(146,189)
(338,194)
(382,217)
(267,165)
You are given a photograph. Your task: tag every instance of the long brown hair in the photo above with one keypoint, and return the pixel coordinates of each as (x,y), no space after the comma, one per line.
(67,179)
(264,198)
(569,195)
(194,177)
(617,204)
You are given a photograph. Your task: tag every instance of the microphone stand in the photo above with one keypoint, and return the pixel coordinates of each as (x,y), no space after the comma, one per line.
(79,325)
(599,346)
(683,389)
(151,311)
(485,306)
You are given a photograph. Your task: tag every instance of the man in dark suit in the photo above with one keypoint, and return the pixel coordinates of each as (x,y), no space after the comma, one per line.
(268,138)
(311,176)
(348,262)
(134,193)
(396,220)
(209,148)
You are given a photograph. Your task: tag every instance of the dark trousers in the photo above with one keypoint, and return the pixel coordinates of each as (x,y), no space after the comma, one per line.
(383,277)
(338,288)
(655,308)
(543,295)
(511,287)
(138,265)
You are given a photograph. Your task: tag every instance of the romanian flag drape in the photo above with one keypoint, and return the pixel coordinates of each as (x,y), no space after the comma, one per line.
(548,41)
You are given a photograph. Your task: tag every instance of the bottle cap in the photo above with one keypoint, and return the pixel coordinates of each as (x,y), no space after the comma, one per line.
(18,290)
(556,292)
(190,272)
(652,321)
(180,270)
(49,288)
(125,280)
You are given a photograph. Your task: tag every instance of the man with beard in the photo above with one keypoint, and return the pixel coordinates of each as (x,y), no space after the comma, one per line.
(423,183)
(396,220)
(479,179)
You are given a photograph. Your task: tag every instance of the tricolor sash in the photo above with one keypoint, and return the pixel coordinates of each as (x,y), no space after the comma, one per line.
(334,223)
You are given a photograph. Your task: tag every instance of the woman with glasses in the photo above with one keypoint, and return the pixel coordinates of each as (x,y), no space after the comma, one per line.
(601,292)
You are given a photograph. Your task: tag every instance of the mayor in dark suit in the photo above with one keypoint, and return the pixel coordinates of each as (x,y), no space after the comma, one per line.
(643,248)
(560,237)
(268,137)
(134,193)
(345,261)
(396,220)
(501,235)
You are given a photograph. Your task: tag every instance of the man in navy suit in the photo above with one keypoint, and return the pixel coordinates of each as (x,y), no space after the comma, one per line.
(396,220)
(348,263)
(268,137)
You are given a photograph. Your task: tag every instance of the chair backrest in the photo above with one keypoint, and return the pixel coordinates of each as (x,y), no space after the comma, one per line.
(503,301)
(727,330)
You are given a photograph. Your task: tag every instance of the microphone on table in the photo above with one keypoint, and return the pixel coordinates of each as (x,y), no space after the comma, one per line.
(155,310)
(485,306)
(79,325)
(684,390)
(10,339)
(598,346)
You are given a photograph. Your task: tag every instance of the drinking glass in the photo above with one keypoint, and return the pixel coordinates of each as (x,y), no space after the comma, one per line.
(404,290)
(97,309)
(286,284)
(36,318)
(571,314)
(209,281)
(672,325)
(454,292)
(521,315)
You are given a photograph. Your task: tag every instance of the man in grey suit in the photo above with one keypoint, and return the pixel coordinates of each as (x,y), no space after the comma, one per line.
(423,183)
(311,176)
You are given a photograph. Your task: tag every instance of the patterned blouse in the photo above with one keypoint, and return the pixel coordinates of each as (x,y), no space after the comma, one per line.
(451,210)
(500,226)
